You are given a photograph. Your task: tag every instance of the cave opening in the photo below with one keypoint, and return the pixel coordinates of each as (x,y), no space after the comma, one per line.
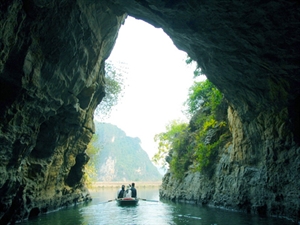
(75,175)
(157,79)
(34,212)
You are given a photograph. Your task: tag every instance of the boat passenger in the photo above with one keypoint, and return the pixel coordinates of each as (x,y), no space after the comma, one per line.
(133,191)
(121,192)
(128,191)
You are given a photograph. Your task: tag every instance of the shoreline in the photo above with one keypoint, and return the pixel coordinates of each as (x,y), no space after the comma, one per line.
(118,184)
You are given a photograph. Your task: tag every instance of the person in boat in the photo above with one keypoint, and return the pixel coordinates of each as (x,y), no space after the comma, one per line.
(133,191)
(121,192)
(128,191)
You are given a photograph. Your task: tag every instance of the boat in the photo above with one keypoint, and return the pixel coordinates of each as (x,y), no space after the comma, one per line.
(127,201)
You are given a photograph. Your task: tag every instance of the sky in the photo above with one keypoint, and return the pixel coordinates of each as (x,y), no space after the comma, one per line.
(157,82)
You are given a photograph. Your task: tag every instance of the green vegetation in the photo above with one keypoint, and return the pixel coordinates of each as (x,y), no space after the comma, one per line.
(114,88)
(90,168)
(197,71)
(121,157)
(203,94)
(194,146)
(168,140)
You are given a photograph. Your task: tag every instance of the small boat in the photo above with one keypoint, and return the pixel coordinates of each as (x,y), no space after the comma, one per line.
(127,201)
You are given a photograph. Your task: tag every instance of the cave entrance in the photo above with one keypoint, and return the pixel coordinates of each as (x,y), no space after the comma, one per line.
(156,80)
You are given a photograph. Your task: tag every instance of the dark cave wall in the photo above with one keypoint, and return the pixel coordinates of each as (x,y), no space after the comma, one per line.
(51,80)
(51,70)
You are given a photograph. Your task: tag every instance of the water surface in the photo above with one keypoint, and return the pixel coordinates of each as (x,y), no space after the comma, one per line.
(103,211)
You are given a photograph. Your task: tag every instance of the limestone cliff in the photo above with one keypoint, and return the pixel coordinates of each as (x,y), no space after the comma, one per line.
(51,69)
(121,157)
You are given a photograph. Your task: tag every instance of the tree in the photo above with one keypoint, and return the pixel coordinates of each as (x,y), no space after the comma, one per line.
(186,147)
(202,94)
(114,88)
(167,140)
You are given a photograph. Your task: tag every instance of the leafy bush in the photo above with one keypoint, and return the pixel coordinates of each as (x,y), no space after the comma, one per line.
(114,88)
(195,146)
(181,156)
(206,121)
(168,140)
(202,94)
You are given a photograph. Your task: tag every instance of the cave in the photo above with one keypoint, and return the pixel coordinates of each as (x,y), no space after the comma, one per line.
(52,66)
(46,139)
(75,175)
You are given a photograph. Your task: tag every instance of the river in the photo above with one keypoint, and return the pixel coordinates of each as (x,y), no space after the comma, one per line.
(103,211)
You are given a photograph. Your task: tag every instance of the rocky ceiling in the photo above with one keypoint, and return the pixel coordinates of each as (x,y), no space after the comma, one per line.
(249,49)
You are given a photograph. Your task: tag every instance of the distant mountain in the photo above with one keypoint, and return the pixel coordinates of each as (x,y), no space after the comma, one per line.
(121,157)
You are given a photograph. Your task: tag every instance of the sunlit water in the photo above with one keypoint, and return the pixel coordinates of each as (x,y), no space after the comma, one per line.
(103,211)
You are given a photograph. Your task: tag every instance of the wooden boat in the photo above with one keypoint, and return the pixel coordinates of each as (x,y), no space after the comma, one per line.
(127,201)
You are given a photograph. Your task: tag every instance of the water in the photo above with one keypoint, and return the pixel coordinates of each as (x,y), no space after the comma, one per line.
(101,211)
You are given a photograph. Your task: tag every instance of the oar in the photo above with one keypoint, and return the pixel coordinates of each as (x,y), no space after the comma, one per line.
(148,200)
(107,201)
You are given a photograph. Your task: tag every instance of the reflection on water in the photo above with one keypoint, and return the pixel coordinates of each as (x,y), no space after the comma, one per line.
(101,211)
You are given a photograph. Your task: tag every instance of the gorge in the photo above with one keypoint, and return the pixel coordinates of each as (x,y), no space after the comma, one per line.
(51,80)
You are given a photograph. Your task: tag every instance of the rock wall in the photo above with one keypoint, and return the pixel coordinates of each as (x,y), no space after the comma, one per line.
(51,70)
(257,175)
(51,80)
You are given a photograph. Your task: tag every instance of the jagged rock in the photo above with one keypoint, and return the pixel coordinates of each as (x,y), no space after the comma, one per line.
(51,69)
(254,176)
(51,80)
